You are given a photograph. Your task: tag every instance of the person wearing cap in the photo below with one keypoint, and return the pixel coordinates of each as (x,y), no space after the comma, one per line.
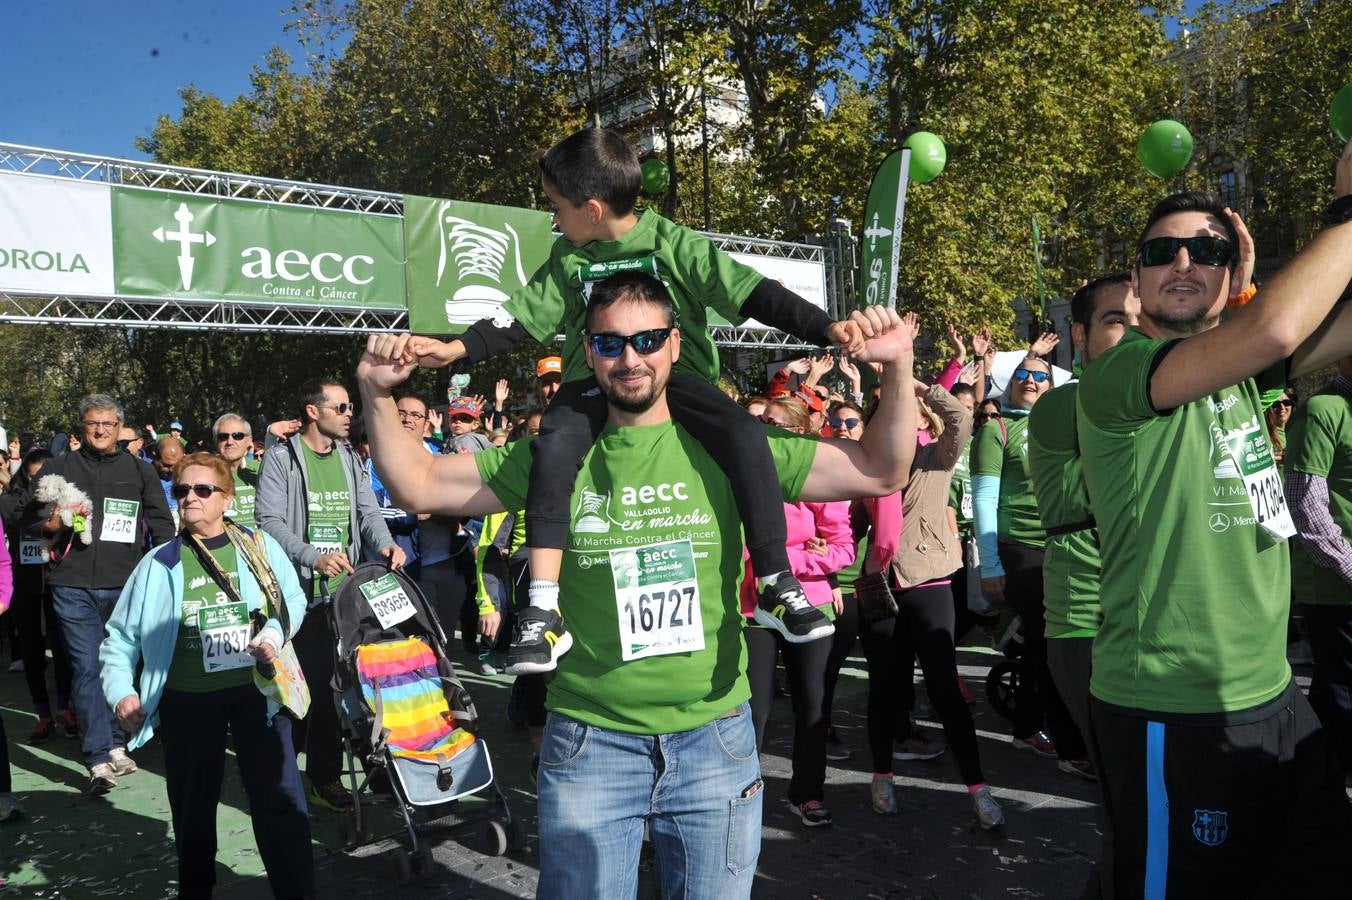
(462,427)
(815,408)
(548,377)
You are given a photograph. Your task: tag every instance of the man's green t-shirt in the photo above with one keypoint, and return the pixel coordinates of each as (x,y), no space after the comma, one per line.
(1194,592)
(1070,569)
(701,279)
(187,669)
(1319,442)
(330,506)
(960,490)
(651,572)
(1007,457)
(246,493)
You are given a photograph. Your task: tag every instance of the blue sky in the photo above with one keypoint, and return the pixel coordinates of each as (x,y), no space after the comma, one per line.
(91,76)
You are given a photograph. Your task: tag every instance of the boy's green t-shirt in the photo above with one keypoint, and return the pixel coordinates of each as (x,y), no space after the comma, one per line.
(187,668)
(1070,568)
(1319,442)
(1194,591)
(1004,452)
(701,278)
(650,578)
(330,506)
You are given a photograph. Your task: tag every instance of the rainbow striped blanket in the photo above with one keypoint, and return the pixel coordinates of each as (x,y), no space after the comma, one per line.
(400,681)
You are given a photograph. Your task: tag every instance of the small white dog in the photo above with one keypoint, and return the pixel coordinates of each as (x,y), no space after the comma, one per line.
(73,504)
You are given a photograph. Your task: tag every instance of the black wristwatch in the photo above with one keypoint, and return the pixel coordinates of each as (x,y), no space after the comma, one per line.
(1339,211)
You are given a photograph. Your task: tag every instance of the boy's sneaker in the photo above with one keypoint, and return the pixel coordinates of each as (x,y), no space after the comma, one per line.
(101,779)
(331,796)
(836,751)
(1038,742)
(918,746)
(121,762)
(1081,767)
(784,607)
(988,813)
(10,807)
(486,666)
(69,727)
(883,793)
(813,814)
(538,642)
(43,732)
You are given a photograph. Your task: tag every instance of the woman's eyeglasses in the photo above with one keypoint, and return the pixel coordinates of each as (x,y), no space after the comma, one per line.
(986,416)
(200,491)
(850,423)
(1037,375)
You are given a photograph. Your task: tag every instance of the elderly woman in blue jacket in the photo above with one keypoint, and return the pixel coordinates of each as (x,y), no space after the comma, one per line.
(198,648)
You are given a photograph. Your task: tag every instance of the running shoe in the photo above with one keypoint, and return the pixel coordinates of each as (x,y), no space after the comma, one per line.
(883,793)
(486,666)
(102,779)
(331,796)
(10,807)
(918,746)
(836,751)
(1081,767)
(988,813)
(813,813)
(121,762)
(784,607)
(538,642)
(69,727)
(43,732)
(1038,742)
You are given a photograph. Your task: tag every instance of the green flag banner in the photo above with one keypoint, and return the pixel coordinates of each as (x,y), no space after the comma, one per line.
(168,244)
(466,259)
(881,246)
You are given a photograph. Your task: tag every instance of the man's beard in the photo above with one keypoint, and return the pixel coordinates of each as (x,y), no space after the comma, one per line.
(633,403)
(1181,321)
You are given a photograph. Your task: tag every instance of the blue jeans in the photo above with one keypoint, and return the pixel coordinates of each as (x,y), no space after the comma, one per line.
(700,791)
(83,613)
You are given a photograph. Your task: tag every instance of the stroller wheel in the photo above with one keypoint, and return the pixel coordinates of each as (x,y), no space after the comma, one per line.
(495,837)
(1001,685)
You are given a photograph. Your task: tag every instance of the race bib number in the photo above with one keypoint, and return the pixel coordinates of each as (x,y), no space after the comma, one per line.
(657,600)
(326,538)
(119,520)
(34,553)
(966,503)
(1263,483)
(388,601)
(224,631)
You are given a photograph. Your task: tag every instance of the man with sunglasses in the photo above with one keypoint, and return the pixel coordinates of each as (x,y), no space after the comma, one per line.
(234,440)
(314,497)
(1217,777)
(86,578)
(648,714)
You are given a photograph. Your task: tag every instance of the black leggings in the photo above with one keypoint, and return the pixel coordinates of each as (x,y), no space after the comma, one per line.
(734,439)
(842,642)
(33,603)
(924,629)
(806,665)
(5,785)
(1036,699)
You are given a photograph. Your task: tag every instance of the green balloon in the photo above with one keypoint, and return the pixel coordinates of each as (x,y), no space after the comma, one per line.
(1340,114)
(656,177)
(928,156)
(1165,148)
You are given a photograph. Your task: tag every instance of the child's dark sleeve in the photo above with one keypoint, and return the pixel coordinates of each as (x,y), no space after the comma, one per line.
(775,305)
(484,339)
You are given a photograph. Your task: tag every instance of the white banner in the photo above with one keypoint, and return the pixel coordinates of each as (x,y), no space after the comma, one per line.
(805,278)
(56,236)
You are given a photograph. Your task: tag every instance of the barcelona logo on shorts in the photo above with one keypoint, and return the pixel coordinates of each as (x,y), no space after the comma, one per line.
(1210,826)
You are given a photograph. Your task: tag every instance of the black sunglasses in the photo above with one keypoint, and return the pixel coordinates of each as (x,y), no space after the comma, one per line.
(1038,376)
(986,416)
(1285,403)
(231,435)
(612,345)
(848,423)
(200,491)
(1204,250)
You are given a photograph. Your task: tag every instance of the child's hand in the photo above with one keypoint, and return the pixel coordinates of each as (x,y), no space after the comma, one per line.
(427,352)
(846,335)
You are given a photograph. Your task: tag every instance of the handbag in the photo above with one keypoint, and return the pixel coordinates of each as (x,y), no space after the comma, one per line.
(976,597)
(282,680)
(874,597)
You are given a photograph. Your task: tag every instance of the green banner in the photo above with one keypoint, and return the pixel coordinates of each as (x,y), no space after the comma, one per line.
(466,259)
(881,246)
(177,245)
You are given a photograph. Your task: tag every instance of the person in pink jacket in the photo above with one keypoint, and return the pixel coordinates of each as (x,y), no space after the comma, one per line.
(819,544)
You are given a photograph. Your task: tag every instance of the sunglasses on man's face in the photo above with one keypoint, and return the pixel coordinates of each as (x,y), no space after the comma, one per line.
(343,409)
(200,491)
(223,436)
(845,423)
(1203,250)
(1037,375)
(611,345)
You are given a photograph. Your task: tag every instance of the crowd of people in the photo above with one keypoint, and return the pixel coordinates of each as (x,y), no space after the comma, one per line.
(1145,531)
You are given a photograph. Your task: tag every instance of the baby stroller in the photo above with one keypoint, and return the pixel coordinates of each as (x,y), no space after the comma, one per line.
(406,717)
(1002,682)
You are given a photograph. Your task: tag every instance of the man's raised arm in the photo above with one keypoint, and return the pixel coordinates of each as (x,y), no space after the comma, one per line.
(416,480)
(880,462)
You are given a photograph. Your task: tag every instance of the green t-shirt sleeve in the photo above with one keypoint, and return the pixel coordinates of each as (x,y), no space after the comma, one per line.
(540,305)
(1115,390)
(1312,439)
(722,282)
(506,471)
(793,455)
(988,451)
